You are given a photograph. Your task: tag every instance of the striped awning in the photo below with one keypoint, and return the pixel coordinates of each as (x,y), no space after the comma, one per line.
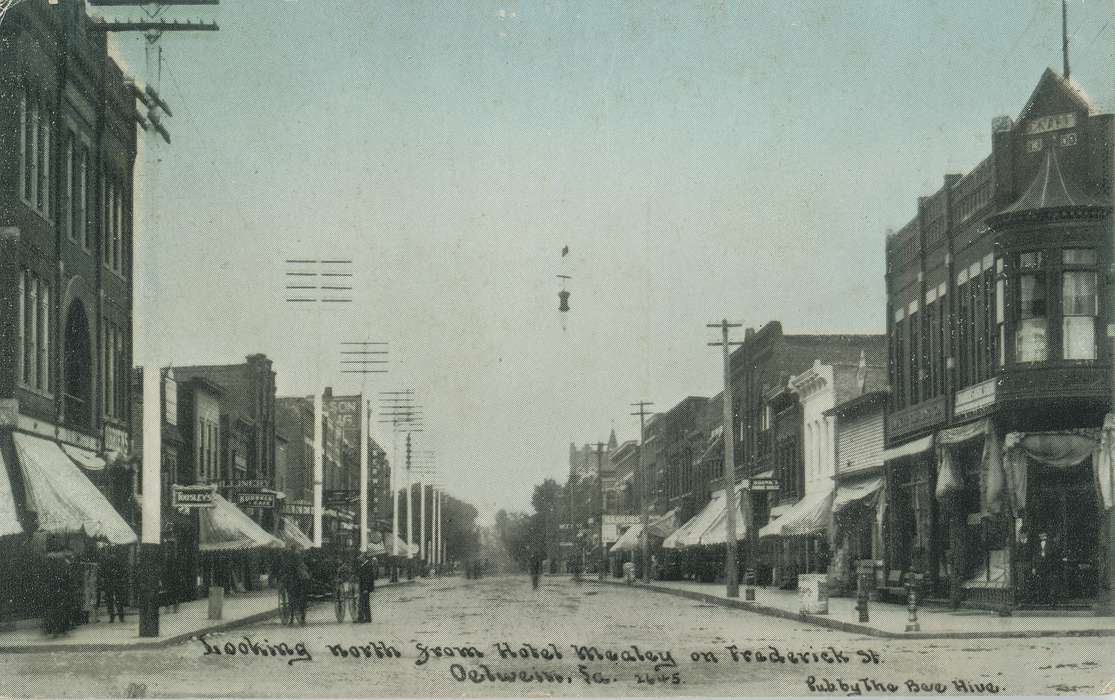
(9,519)
(914,447)
(294,536)
(809,516)
(63,498)
(226,528)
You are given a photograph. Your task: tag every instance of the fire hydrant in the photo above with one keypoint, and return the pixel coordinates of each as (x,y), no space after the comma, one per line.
(912,581)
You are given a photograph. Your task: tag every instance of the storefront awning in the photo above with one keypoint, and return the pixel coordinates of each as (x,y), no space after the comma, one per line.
(914,447)
(293,535)
(664,525)
(717,533)
(226,528)
(84,458)
(690,533)
(809,516)
(63,498)
(9,519)
(854,492)
(629,540)
(394,546)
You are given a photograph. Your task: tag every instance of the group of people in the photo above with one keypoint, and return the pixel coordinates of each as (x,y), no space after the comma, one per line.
(63,597)
(296,577)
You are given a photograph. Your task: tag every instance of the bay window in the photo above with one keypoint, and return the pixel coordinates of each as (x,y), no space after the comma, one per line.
(1080,297)
(1032,324)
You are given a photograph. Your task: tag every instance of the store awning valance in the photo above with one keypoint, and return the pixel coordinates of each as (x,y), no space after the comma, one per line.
(9,519)
(63,498)
(855,491)
(84,458)
(294,536)
(809,516)
(914,447)
(226,528)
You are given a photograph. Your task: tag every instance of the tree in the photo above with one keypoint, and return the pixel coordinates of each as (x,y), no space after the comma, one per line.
(548,509)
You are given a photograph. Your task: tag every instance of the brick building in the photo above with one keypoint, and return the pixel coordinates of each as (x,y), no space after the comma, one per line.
(68,148)
(997,301)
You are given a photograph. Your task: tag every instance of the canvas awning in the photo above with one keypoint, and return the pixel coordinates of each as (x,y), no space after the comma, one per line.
(294,536)
(855,491)
(717,533)
(809,516)
(664,525)
(63,498)
(629,540)
(690,533)
(9,519)
(400,547)
(84,458)
(226,528)
(914,447)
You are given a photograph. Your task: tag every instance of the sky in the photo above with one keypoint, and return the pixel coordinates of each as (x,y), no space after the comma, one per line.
(701,160)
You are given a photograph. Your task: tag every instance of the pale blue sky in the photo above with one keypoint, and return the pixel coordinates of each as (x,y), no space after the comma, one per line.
(702,160)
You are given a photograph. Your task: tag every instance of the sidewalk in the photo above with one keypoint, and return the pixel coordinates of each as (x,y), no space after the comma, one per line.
(174,627)
(887,619)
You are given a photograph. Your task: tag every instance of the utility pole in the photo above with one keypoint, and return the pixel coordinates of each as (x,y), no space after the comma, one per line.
(363,358)
(731,571)
(601,510)
(642,413)
(1106,603)
(157,109)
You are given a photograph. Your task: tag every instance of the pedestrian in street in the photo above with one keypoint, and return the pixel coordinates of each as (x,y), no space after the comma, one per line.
(535,572)
(367,577)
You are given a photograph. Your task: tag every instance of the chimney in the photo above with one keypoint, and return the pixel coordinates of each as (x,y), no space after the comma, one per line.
(747,334)
(328,393)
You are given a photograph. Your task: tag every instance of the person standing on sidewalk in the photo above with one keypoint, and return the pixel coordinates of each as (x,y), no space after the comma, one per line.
(115,576)
(367,576)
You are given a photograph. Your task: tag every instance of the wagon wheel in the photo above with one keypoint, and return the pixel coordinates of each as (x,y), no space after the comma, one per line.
(286,613)
(353,602)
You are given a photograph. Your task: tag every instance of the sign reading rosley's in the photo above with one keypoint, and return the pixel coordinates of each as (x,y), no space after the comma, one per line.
(1053,122)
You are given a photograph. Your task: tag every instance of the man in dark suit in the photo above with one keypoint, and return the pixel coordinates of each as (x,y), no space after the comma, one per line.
(366,573)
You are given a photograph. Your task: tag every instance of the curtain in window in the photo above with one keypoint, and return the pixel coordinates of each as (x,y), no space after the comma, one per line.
(1079,292)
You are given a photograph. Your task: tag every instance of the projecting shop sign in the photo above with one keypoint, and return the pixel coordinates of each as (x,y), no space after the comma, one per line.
(192,496)
(255,499)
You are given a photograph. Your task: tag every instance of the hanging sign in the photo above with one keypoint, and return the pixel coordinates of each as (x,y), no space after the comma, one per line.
(761,484)
(255,499)
(192,496)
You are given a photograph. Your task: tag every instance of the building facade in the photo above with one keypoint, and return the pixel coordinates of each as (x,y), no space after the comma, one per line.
(997,302)
(68,147)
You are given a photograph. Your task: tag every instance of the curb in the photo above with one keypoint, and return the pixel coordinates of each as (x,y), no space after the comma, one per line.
(839,625)
(219,626)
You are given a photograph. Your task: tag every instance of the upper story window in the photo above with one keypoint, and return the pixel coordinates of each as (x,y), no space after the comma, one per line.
(1080,299)
(1056,302)
(1032,324)
(35,154)
(35,331)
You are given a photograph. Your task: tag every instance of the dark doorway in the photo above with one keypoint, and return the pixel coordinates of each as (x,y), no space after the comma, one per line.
(1060,551)
(78,367)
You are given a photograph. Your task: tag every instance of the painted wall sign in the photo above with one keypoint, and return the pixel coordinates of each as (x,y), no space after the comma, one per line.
(1053,122)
